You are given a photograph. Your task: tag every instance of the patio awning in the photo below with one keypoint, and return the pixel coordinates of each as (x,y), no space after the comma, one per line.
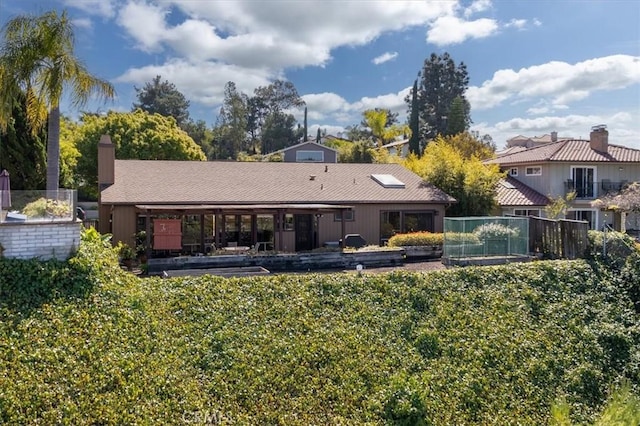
(240,208)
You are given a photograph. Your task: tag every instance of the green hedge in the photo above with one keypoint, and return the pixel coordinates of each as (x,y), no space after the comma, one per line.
(416,239)
(493,345)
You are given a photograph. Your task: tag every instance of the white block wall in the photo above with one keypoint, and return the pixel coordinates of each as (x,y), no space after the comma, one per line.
(40,240)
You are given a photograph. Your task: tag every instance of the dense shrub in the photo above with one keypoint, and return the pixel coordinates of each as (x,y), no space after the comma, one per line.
(416,239)
(495,230)
(44,207)
(619,246)
(493,345)
(461,238)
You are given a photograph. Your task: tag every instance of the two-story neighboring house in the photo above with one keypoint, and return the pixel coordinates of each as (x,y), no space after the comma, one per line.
(591,168)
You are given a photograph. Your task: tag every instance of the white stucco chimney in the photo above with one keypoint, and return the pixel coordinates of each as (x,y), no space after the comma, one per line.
(599,138)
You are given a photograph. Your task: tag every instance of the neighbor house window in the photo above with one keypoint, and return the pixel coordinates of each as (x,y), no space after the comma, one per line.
(346,214)
(526,212)
(586,215)
(533,171)
(309,156)
(513,171)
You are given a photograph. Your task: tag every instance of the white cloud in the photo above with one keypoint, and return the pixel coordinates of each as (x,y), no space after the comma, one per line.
(103,8)
(623,128)
(276,34)
(202,82)
(477,6)
(560,82)
(516,23)
(83,23)
(448,30)
(385,57)
(145,23)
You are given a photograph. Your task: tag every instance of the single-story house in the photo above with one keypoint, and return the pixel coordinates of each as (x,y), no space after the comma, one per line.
(282,206)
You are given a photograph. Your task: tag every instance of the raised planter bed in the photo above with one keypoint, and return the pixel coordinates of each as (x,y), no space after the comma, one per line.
(422,252)
(283,262)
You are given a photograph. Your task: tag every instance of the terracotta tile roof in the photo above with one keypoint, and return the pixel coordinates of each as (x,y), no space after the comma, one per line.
(569,150)
(512,192)
(209,182)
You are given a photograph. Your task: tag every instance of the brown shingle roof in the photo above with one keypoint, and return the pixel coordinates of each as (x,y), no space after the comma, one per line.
(569,150)
(196,182)
(512,192)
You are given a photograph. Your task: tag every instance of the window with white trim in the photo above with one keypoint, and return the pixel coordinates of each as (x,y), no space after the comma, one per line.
(533,171)
(527,212)
(309,156)
(513,171)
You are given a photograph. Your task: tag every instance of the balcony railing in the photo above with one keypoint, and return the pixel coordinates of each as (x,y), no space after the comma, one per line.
(37,206)
(593,190)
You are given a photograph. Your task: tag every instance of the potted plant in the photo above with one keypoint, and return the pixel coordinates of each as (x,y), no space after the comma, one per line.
(127,254)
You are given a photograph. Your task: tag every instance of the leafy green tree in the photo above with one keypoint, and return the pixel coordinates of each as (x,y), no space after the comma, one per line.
(136,135)
(162,97)
(440,82)
(23,153)
(267,111)
(202,135)
(232,121)
(37,57)
(383,132)
(468,180)
(414,121)
(559,206)
(278,132)
(470,146)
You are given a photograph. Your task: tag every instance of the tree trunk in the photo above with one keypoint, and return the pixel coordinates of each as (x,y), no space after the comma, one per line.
(53,149)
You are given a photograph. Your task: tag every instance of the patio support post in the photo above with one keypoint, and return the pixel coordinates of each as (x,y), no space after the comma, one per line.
(342,229)
(280,223)
(216,231)
(202,250)
(148,234)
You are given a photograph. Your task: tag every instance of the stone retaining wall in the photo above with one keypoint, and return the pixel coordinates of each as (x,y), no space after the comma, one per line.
(50,240)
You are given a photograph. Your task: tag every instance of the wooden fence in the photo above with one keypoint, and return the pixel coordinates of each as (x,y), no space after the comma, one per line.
(558,239)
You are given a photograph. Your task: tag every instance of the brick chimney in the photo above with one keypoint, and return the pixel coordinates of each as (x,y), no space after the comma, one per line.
(106,162)
(599,138)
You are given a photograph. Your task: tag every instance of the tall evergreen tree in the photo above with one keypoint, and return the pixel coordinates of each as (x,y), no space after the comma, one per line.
(306,136)
(441,81)
(458,119)
(319,136)
(414,121)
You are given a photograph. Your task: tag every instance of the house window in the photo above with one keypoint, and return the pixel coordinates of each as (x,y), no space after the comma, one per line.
(513,171)
(393,222)
(583,181)
(347,214)
(533,171)
(587,215)
(309,156)
(527,212)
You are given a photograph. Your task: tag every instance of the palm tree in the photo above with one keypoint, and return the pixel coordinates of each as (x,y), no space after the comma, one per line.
(37,58)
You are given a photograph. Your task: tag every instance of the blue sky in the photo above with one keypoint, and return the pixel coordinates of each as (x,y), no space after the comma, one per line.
(535,66)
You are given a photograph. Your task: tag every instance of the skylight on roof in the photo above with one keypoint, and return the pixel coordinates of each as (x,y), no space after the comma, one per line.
(507,185)
(388,181)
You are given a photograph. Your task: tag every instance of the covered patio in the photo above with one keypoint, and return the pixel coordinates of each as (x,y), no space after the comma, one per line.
(232,227)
